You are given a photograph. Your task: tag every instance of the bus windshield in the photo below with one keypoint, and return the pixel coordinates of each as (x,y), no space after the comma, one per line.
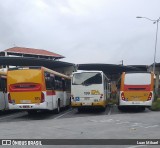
(87,78)
(138,79)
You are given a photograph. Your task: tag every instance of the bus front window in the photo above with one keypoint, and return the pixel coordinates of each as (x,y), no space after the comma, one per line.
(87,78)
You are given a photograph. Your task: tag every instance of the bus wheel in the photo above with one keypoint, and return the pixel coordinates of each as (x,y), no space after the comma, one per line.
(58,107)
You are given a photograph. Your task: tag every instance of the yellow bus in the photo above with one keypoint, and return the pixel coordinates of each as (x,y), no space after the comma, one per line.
(89,89)
(37,88)
(136,90)
(3,91)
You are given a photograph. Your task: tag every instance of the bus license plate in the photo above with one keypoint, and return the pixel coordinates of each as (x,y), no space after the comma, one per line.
(26,106)
(136,102)
(86,103)
(25,101)
(86,98)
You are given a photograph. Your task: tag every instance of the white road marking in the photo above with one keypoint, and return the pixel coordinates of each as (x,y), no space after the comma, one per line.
(131,125)
(108,120)
(136,146)
(122,122)
(109,111)
(64,114)
(99,121)
(13,115)
(152,126)
(138,124)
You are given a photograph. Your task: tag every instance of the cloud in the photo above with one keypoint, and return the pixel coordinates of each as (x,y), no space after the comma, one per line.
(84,31)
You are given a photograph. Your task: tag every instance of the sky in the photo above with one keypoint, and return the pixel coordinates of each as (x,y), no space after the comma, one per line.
(84,31)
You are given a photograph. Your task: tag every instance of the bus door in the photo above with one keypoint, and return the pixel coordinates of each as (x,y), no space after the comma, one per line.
(50,92)
(59,90)
(66,84)
(64,92)
(108,90)
(105,88)
(3,94)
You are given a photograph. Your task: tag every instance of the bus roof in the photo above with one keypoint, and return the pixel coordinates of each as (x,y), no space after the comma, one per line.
(83,71)
(56,73)
(39,67)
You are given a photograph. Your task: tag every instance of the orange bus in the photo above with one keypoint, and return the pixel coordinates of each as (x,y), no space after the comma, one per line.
(136,90)
(37,88)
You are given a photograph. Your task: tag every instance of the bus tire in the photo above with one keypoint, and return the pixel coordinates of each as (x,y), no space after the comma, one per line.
(58,107)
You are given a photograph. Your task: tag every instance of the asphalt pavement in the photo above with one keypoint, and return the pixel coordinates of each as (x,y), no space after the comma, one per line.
(89,124)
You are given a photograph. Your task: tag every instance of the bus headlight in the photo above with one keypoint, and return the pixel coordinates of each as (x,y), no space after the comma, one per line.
(122,96)
(150,96)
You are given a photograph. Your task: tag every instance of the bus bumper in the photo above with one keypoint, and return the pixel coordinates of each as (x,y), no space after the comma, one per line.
(88,104)
(100,104)
(135,103)
(37,106)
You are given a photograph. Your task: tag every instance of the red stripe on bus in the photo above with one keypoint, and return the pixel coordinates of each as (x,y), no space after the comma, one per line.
(137,87)
(50,92)
(23,87)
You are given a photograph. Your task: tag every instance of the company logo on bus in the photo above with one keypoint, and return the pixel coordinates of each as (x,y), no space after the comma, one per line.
(95,92)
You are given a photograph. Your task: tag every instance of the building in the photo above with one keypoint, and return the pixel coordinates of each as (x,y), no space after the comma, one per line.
(21,56)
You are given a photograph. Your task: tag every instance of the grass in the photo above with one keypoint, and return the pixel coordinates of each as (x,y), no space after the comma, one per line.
(113,101)
(156,105)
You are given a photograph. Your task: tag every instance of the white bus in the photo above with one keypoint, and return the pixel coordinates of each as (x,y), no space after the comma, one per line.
(37,88)
(89,89)
(3,92)
(136,90)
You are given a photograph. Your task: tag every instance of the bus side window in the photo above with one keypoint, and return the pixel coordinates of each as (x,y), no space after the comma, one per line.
(106,84)
(58,83)
(3,85)
(52,81)
(63,84)
(48,81)
(68,85)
